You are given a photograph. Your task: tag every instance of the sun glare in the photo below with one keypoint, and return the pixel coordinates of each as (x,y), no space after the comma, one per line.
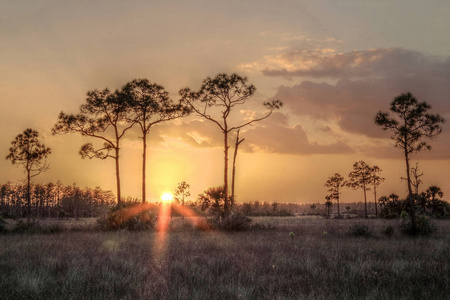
(167,197)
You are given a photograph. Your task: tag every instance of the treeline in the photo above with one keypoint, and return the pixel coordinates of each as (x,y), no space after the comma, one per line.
(53,200)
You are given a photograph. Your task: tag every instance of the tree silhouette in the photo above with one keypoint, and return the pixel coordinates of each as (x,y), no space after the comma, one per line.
(182,191)
(27,151)
(410,128)
(104,116)
(328,204)
(334,184)
(215,102)
(416,175)
(149,105)
(376,180)
(360,178)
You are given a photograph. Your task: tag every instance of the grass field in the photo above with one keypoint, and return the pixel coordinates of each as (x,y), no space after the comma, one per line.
(296,258)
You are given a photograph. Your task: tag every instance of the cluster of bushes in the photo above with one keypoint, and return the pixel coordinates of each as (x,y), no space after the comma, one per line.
(393,206)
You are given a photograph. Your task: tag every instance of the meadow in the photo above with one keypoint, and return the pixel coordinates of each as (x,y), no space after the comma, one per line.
(281,258)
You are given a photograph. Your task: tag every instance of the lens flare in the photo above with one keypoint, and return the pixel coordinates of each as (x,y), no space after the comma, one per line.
(167,197)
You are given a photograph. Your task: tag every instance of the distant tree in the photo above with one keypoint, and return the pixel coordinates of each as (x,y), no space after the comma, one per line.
(150,104)
(274,205)
(328,204)
(348,209)
(334,184)
(412,126)
(104,117)
(313,208)
(215,101)
(28,152)
(360,178)
(182,191)
(213,198)
(433,192)
(375,181)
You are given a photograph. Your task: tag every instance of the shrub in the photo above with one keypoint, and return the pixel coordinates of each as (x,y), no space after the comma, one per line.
(30,226)
(424,226)
(234,222)
(360,230)
(388,231)
(130,217)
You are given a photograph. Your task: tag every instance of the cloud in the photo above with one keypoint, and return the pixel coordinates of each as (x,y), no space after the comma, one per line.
(274,137)
(367,83)
(372,63)
(287,140)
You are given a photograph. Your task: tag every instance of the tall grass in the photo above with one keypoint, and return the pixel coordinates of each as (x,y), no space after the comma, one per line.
(263,264)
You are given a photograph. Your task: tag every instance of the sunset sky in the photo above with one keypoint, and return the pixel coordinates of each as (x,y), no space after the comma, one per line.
(334,64)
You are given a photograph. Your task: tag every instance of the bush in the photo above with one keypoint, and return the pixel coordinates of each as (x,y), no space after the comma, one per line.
(359,230)
(130,218)
(388,231)
(234,222)
(424,226)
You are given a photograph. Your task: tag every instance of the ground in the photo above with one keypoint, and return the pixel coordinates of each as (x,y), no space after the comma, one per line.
(287,258)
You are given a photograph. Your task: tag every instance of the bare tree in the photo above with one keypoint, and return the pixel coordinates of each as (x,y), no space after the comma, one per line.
(416,181)
(410,128)
(376,180)
(233,173)
(28,152)
(334,184)
(150,104)
(360,178)
(104,117)
(215,102)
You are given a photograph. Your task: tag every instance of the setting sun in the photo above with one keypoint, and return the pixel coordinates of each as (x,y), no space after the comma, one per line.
(167,197)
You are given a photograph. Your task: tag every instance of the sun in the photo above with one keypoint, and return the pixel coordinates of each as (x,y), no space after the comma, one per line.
(167,197)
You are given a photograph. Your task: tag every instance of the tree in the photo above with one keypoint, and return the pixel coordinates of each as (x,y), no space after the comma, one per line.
(334,184)
(215,102)
(412,126)
(328,204)
(213,198)
(149,105)
(27,151)
(375,180)
(182,191)
(360,178)
(104,117)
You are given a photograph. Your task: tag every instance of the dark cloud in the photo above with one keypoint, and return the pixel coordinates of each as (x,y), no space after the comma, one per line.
(384,74)
(357,64)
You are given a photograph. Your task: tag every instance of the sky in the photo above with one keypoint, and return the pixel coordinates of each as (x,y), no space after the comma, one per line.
(334,65)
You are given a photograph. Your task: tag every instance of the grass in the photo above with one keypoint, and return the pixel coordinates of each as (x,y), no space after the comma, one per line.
(260,264)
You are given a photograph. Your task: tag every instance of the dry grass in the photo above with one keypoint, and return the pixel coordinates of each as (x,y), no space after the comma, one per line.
(318,261)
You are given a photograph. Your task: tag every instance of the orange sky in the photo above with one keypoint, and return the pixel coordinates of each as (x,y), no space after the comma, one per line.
(334,65)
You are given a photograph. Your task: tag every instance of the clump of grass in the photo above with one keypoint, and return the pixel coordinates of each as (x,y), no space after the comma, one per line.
(388,231)
(360,230)
(233,222)
(424,226)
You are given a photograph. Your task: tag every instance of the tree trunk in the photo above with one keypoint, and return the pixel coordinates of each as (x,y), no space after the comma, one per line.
(119,201)
(410,193)
(375,193)
(225,173)
(339,211)
(144,162)
(365,200)
(29,192)
(233,176)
